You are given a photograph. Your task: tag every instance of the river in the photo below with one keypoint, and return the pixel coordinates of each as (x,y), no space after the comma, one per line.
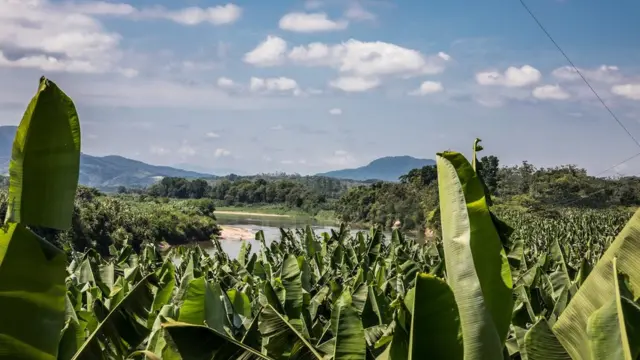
(271,228)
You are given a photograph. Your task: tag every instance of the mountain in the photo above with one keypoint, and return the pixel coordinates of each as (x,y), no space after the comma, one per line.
(388,168)
(105,172)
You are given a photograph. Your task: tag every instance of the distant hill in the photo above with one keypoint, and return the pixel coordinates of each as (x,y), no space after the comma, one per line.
(106,172)
(388,168)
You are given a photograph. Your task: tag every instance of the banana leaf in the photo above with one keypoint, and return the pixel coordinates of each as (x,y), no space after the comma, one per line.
(45,161)
(477,266)
(595,292)
(32,294)
(200,342)
(124,327)
(435,323)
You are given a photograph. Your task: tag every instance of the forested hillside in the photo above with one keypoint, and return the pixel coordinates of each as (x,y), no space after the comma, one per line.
(521,187)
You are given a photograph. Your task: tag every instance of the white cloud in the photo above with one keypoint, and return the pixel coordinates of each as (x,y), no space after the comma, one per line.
(272,84)
(369,58)
(313,22)
(512,77)
(277,127)
(444,56)
(355,11)
(212,135)
(603,73)
(158,150)
(630,91)
(335,111)
(428,87)
(216,15)
(44,35)
(224,82)
(68,36)
(221,152)
(354,83)
(550,92)
(286,162)
(270,52)
(102,8)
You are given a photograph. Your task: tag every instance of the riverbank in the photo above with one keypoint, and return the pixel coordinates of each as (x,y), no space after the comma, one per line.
(235,233)
(248,213)
(325,216)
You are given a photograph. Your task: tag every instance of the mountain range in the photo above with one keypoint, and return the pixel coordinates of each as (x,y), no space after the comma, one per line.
(109,172)
(105,172)
(388,168)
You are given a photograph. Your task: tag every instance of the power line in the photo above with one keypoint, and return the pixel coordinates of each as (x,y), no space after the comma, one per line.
(618,164)
(603,189)
(579,73)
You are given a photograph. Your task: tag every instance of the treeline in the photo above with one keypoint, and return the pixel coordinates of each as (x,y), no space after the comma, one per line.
(522,186)
(100,221)
(307,193)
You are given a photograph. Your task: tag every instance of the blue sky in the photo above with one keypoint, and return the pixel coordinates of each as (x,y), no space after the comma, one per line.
(309,86)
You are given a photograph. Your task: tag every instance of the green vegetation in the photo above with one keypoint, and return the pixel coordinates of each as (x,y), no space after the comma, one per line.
(543,192)
(480,290)
(309,194)
(99,222)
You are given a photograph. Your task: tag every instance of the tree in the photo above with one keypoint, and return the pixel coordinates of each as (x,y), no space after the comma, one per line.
(489,166)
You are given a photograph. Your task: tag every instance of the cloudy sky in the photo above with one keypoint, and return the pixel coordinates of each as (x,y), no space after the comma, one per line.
(308,86)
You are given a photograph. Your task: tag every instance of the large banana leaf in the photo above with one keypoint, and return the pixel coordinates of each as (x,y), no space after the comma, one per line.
(200,342)
(477,266)
(291,280)
(350,341)
(595,292)
(124,327)
(45,161)
(540,343)
(32,294)
(203,306)
(281,335)
(435,324)
(614,329)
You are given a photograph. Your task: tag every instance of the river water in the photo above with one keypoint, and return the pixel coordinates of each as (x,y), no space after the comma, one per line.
(271,228)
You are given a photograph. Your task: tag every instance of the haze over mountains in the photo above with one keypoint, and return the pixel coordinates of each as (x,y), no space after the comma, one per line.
(109,172)
(388,168)
(104,171)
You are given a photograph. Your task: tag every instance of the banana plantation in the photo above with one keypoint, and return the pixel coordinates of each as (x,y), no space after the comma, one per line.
(484,289)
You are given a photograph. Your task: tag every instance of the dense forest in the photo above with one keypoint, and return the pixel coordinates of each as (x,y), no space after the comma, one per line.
(103,222)
(307,193)
(410,200)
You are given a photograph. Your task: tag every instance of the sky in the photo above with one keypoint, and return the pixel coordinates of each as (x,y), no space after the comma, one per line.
(256,86)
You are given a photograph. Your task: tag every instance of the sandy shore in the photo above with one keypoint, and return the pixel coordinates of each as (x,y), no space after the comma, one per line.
(223,212)
(235,233)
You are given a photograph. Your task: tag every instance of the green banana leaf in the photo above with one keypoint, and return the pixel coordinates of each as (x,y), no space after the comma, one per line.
(45,161)
(32,294)
(595,292)
(281,335)
(291,280)
(477,266)
(203,306)
(540,343)
(200,342)
(614,329)
(124,327)
(350,342)
(435,323)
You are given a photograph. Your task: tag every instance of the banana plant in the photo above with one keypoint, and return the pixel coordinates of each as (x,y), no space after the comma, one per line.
(43,171)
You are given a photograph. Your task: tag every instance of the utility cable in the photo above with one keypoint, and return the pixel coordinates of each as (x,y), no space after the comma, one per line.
(613,115)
